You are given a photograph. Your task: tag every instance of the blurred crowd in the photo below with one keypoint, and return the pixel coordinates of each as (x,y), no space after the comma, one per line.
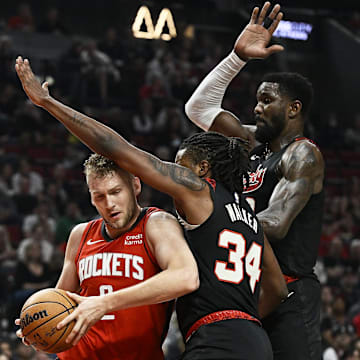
(139,87)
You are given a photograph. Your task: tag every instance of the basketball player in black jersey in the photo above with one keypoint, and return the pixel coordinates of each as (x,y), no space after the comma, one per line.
(221,319)
(286,178)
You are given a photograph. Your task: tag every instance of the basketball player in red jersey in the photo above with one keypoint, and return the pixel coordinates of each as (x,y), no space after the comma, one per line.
(221,319)
(286,178)
(139,254)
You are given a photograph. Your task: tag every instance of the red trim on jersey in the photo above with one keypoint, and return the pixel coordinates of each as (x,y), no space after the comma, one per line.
(305,138)
(149,212)
(219,316)
(83,238)
(290,279)
(212,182)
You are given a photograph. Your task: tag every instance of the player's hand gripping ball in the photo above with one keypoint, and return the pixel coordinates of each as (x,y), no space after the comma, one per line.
(39,316)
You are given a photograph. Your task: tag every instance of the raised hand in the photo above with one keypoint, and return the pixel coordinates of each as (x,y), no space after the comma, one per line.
(36,92)
(90,310)
(253,41)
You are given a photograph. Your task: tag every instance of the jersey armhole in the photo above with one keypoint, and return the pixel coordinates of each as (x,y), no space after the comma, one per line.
(83,238)
(146,245)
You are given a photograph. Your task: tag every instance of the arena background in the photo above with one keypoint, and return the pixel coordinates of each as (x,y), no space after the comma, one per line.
(139,88)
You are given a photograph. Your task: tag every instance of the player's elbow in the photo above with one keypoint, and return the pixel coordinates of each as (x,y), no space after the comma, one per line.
(190,280)
(190,109)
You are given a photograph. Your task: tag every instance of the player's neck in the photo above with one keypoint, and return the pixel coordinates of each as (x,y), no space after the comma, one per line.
(283,140)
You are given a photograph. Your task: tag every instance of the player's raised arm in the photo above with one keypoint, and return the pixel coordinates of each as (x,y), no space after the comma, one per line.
(177,181)
(204,107)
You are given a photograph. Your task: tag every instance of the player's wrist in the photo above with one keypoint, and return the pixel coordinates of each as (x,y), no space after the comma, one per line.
(237,61)
(239,58)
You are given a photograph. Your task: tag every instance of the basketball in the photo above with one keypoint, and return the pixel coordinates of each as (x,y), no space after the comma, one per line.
(39,316)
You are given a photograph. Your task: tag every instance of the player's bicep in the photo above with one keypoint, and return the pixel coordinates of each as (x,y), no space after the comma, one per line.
(68,279)
(168,243)
(291,196)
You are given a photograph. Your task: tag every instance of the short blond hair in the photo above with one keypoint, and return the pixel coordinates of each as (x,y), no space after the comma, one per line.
(100,166)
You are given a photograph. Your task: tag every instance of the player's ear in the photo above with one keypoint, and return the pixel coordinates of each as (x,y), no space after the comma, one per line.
(295,108)
(204,168)
(136,185)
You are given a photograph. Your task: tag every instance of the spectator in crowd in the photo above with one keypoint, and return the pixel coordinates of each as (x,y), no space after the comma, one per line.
(52,23)
(38,235)
(98,69)
(334,261)
(8,212)
(6,173)
(66,222)
(41,215)
(113,47)
(23,199)
(23,20)
(36,183)
(31,275)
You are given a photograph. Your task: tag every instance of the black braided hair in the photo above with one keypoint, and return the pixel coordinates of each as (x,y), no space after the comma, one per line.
(227,156)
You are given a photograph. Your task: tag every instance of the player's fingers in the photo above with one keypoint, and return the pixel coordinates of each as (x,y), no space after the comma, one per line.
(75,297)
(19,333)
(274,12)
(17,321)
(81,333)
(74,332)
(263,13)
(66,321)
(254,15)
(275,23)
(274,49)
(45,85)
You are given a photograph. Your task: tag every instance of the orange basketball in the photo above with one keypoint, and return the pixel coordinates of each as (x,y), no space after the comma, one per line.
(39,316)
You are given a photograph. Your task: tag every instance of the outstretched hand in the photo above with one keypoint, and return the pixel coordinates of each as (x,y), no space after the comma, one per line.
(89,311)
(36,92)
(253,41)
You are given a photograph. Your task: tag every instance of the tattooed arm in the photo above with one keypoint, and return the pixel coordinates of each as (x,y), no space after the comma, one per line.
(190,193)
(302,169)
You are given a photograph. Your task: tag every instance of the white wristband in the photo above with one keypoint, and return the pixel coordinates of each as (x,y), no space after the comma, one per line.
(205,103)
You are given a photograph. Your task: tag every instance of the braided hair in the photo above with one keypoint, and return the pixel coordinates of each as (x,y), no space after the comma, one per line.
(227,156)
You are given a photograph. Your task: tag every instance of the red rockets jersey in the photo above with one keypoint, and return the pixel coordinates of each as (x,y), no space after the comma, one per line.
(105,265)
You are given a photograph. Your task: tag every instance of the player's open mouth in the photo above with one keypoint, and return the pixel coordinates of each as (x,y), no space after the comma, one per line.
(115,215)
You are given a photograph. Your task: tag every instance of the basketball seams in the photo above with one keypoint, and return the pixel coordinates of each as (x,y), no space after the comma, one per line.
(46,302)
(66,298)
(55,316)
(44,307)
(59,338)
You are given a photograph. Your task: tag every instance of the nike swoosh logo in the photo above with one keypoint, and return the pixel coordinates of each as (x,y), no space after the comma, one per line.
(92,242)
(290,294)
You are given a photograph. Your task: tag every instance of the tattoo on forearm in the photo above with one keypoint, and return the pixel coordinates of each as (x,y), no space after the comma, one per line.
(105,142)
(179,174)
(78,120)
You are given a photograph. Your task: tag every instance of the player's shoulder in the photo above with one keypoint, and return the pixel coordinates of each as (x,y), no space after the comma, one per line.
(78,230)
(302,158)
(304,149)
(161,216)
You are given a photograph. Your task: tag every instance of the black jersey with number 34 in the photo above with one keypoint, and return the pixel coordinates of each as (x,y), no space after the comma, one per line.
(228,248)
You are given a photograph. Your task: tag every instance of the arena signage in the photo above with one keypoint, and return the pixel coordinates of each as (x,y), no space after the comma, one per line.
(144,16)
